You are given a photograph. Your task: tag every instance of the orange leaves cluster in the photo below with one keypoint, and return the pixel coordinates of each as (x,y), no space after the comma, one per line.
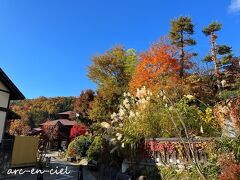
(19,127)
(157,67)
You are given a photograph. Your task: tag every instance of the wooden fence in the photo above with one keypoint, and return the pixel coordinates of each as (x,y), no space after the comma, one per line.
(25,150)
(175,150)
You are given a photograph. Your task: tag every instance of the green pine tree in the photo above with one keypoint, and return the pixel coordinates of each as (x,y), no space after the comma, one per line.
(211,31)
(180,35)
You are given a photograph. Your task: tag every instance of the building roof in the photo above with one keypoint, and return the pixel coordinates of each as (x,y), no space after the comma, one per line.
(65,113)
(64,122)
(12,115)
(15,93)
(37,129)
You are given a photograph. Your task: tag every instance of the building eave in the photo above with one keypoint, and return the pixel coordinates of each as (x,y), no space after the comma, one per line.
(15,93)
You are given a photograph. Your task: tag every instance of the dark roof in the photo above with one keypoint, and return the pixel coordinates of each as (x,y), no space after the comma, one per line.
(64,122)
(15,93)
(65,113)
(13,115)
(35,131)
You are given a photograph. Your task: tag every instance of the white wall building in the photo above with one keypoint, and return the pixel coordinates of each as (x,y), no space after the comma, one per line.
(8,91)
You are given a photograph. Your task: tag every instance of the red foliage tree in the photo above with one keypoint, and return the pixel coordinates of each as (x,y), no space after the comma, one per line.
(230,170)
(77,130)
(50,131)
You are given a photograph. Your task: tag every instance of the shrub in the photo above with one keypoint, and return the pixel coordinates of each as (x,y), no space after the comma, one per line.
(230,169)
(229,145)
(95,148)
(170,172)
(82,144)
(150,172)
(224,159)
(79,146)
(211,169)
(71,151)
(77,130)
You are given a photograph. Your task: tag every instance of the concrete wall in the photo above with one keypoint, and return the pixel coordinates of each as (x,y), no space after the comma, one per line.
(24,151)
(4,98)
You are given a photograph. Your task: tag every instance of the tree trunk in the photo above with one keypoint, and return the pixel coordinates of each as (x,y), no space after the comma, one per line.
(181,57)
(181,62)
(214,54)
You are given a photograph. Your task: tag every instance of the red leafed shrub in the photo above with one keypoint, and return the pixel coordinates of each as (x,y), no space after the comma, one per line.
(230,169)
(153,146)
(77,130)
(160,147)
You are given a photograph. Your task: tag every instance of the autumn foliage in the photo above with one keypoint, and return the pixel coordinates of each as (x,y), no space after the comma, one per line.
(230,170)
(52,132)
(19,127)
(36,111)
(157,67)
(78,130)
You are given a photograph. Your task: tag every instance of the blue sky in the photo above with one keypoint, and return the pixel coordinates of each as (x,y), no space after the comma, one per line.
(46,46)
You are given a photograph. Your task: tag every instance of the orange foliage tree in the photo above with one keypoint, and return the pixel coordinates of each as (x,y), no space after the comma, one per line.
(157,67)
(19,127)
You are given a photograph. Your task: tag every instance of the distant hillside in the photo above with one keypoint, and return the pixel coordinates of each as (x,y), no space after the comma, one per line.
(36,111)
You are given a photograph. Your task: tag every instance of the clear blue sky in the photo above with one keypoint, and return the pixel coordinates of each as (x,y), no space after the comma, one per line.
(46,45)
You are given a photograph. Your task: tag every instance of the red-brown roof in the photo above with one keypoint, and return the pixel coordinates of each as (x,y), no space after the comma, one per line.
(64,122)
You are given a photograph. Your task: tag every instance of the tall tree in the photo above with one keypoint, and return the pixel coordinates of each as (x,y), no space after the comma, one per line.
(155,68)
(111,72)
(180,34)
(82,106)
(211,31)
(226,54)
(19,127)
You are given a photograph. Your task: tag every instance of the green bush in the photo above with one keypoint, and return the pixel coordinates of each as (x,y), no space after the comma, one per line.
(228,145)
(95,148)
(226,94)
(217,150)
(71,151)
(79,146)
(173,173)
(150,172)
(82,144)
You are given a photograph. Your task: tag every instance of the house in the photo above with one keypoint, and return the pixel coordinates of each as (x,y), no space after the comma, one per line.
(65,115)
(8,92)
(58,131)
(63,120)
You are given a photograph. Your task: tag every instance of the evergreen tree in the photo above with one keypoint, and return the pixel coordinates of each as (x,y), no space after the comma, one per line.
(180,34)
(226,55)
(211,31)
